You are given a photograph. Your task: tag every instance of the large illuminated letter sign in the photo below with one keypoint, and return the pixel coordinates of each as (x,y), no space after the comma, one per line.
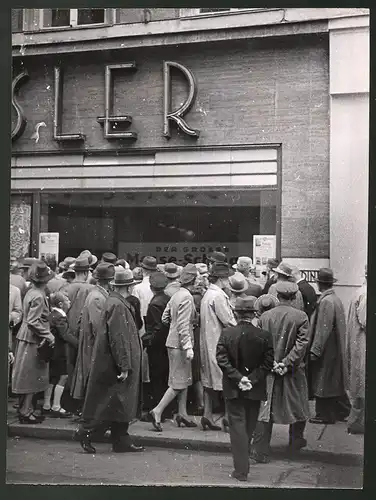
(21,120)
(112,124)
(58,114)
(177,116)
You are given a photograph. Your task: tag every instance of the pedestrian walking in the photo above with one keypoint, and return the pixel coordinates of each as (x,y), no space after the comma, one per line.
(244,266)
(287,390)
(308,292)
(155,338)
(285,274)
(198,291)
(58,367)
(30,372)
(172,273)
(89,324)
(327,363)
(245,355)
(216,314)
(356,358)
(113,391)
(179,315)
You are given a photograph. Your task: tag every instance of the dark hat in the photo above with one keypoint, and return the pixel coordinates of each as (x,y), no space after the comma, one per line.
(70,271)
(219,270)
(109,257)
(90,257)
(40,272)
(325,275)
(284,269)
(171,270)
(104,271)
(286,288)
(27,262)
(217,257)
(158,281)
(266,302)
(272,263)
(246,304)
(81,264)
(188,274)
(123,278)
(149,263)
(238,284)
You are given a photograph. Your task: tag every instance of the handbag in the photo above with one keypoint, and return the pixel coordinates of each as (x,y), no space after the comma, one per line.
(45,351)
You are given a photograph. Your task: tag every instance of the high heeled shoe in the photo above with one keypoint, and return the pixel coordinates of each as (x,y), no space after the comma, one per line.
(86,443)
(206,424)
(225,425)
(181,420)
(157,425)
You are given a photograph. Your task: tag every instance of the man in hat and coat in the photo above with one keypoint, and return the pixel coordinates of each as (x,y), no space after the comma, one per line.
(356,358)
(307,291)
(215,314)
(285,274)
(245,355)
(89,324)
(172,274)
(113,390)
(216,257)
(93,260)
(243,266)
(155,338)
(238,287)
(270,275)
(287,389)
(327,355)
(77,292)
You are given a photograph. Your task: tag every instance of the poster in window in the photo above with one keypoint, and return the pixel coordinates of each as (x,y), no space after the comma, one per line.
(49,248)
(264,248)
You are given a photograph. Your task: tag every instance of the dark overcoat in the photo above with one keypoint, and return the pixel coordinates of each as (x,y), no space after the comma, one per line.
(328,373)
(63,339)
(259,364)
(287,394)
(117,349)
(89,324)
(309,297)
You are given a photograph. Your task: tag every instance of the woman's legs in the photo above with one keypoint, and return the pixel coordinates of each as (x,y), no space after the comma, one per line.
(167,398)
(26,405)
(208,404)
(47,397)
(182,403)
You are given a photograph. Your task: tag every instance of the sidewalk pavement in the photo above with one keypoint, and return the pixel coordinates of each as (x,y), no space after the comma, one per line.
(328,444)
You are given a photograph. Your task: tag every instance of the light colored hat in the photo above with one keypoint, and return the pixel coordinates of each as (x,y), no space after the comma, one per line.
(171,270)
(238,284)
(284,269)
(188,274)
(202,269)
(123,278)
(243,263)
(91,258)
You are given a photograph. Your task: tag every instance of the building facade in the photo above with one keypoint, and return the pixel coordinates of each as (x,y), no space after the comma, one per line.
(174,132)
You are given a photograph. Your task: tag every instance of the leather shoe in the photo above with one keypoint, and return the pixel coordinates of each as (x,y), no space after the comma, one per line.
(297,443)
(119,448)
(238,476)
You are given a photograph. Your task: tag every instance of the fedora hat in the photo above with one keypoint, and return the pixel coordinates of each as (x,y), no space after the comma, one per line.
(40,272)
(217,257)
(219,270)
(246,304)
(284,269)
(171,270)
(202,269)
(81,264)
(149,263)
(109,257)
(123,278)
(158,281)
(244,263)
(70,271)
(266,302)
(286,288)
(104,271)
(90,257)
(325,275)
(238,284)
(188,274)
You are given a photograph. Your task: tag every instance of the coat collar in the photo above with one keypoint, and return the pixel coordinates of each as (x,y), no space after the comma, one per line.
(103,291)
(326,293)
(212,286)
(120,297)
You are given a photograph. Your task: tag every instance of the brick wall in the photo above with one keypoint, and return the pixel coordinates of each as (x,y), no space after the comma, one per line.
(257,91)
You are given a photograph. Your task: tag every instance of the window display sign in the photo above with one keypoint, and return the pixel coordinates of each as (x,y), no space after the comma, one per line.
(264,248)
(180,253)
(49,248)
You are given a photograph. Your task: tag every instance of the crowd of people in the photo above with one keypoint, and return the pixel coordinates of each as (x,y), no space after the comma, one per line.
(105,345)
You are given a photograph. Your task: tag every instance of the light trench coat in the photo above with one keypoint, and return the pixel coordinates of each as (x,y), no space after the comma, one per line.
(144,294)
(216,314)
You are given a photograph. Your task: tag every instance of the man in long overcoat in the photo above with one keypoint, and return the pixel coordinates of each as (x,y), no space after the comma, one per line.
(356,358)
(287,389)
(327,365)
(113,392)
(215,314)
(284,273)
(89,324)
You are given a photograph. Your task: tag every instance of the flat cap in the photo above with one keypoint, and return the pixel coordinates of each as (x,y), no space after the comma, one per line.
(158,280)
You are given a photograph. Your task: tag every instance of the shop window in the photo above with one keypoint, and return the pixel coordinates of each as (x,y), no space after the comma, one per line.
(197,12)
(20,226)
(17,20)
(62,18)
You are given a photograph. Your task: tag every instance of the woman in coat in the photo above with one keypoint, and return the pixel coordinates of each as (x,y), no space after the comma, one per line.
(216,314)
(113,392)
(30,372)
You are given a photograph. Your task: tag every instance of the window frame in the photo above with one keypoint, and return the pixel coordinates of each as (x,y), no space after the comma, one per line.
(109,20)
(190,13)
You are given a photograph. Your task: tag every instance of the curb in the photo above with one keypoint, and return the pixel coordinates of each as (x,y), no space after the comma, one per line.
(345,459)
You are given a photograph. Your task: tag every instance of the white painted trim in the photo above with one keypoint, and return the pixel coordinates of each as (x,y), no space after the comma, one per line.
(349,22)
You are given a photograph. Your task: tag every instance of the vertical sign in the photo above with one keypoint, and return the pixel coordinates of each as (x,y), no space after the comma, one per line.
(49,248)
